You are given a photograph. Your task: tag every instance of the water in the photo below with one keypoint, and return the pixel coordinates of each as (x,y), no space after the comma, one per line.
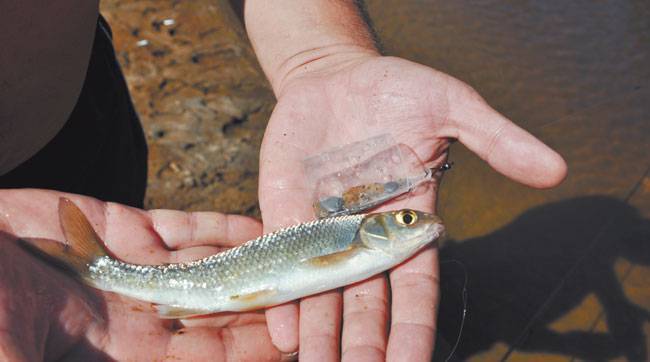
(534,61)
(542,264)
(553,68)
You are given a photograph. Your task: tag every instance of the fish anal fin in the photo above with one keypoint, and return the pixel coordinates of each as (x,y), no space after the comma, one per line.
(333,258)
(254,300)
(175,312)
(254,296)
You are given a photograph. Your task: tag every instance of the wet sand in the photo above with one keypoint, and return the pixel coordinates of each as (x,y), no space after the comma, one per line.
(557,274)
(201,97)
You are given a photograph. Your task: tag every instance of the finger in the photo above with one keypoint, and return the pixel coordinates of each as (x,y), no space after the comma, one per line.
(414,287)
(414,291)
(282,321)
(124,230)
(155,232)
(21,208)
(320,327)
(127,231)
(180,229)
(282,204)
(9,350)
(128,234)
(226,319)
(243,343)
(317,330)
(506,147)
(219,319)
(365,318)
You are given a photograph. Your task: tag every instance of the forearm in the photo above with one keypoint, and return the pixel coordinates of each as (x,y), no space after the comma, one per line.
(294,36)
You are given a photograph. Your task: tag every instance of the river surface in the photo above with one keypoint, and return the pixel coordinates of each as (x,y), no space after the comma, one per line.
(557,274)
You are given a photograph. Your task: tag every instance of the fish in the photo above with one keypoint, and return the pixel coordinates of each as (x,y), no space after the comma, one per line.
(275,268)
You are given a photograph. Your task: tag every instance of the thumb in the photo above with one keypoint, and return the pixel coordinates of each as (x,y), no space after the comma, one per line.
(9,350)
(508,148)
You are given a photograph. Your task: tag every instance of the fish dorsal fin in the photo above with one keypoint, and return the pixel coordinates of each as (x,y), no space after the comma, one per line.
(79,234)
(175,312)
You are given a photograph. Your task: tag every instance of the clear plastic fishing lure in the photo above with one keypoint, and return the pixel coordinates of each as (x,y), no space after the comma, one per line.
(361,175)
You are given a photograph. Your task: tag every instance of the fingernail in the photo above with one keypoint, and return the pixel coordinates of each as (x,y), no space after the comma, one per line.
(289,357)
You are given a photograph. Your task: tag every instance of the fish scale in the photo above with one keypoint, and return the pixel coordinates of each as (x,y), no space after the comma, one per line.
(288,264)
(257,261)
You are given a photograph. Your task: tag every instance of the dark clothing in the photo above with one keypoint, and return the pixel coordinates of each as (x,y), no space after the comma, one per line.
(101,150)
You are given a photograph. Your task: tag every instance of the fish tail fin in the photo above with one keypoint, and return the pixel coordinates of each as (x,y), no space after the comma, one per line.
(79,234)
(83,244)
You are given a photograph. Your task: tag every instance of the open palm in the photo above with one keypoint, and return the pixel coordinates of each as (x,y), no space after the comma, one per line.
(46,315)
(421,108)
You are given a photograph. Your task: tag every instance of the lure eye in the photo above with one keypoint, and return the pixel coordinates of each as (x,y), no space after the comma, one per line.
(406,217)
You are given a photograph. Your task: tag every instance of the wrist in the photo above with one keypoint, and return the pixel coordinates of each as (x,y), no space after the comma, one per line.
(318,62)
(291,37)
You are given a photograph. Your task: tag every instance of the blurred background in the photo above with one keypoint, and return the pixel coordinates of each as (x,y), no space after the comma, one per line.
(561,274)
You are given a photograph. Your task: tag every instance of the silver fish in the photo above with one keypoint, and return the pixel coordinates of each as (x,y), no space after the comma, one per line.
(275,268)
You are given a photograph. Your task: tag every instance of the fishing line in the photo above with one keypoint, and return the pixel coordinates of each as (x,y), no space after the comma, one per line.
(464,314)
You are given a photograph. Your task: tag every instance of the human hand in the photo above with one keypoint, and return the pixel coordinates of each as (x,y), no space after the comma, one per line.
(46,315)
(326,103)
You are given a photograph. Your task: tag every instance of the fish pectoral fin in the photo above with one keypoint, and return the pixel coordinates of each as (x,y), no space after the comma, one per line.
(333,258)
(175,312)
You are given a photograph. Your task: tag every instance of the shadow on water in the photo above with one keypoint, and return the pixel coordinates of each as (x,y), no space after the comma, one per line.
(540,267)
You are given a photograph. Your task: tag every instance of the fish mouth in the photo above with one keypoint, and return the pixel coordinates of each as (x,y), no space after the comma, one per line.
(432,233)
(439,229)
(435,232)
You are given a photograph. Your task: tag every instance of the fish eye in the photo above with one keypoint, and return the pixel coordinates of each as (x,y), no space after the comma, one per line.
(406,217)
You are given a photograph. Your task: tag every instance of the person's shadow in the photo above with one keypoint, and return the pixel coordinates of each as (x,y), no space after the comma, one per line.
(537,269)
